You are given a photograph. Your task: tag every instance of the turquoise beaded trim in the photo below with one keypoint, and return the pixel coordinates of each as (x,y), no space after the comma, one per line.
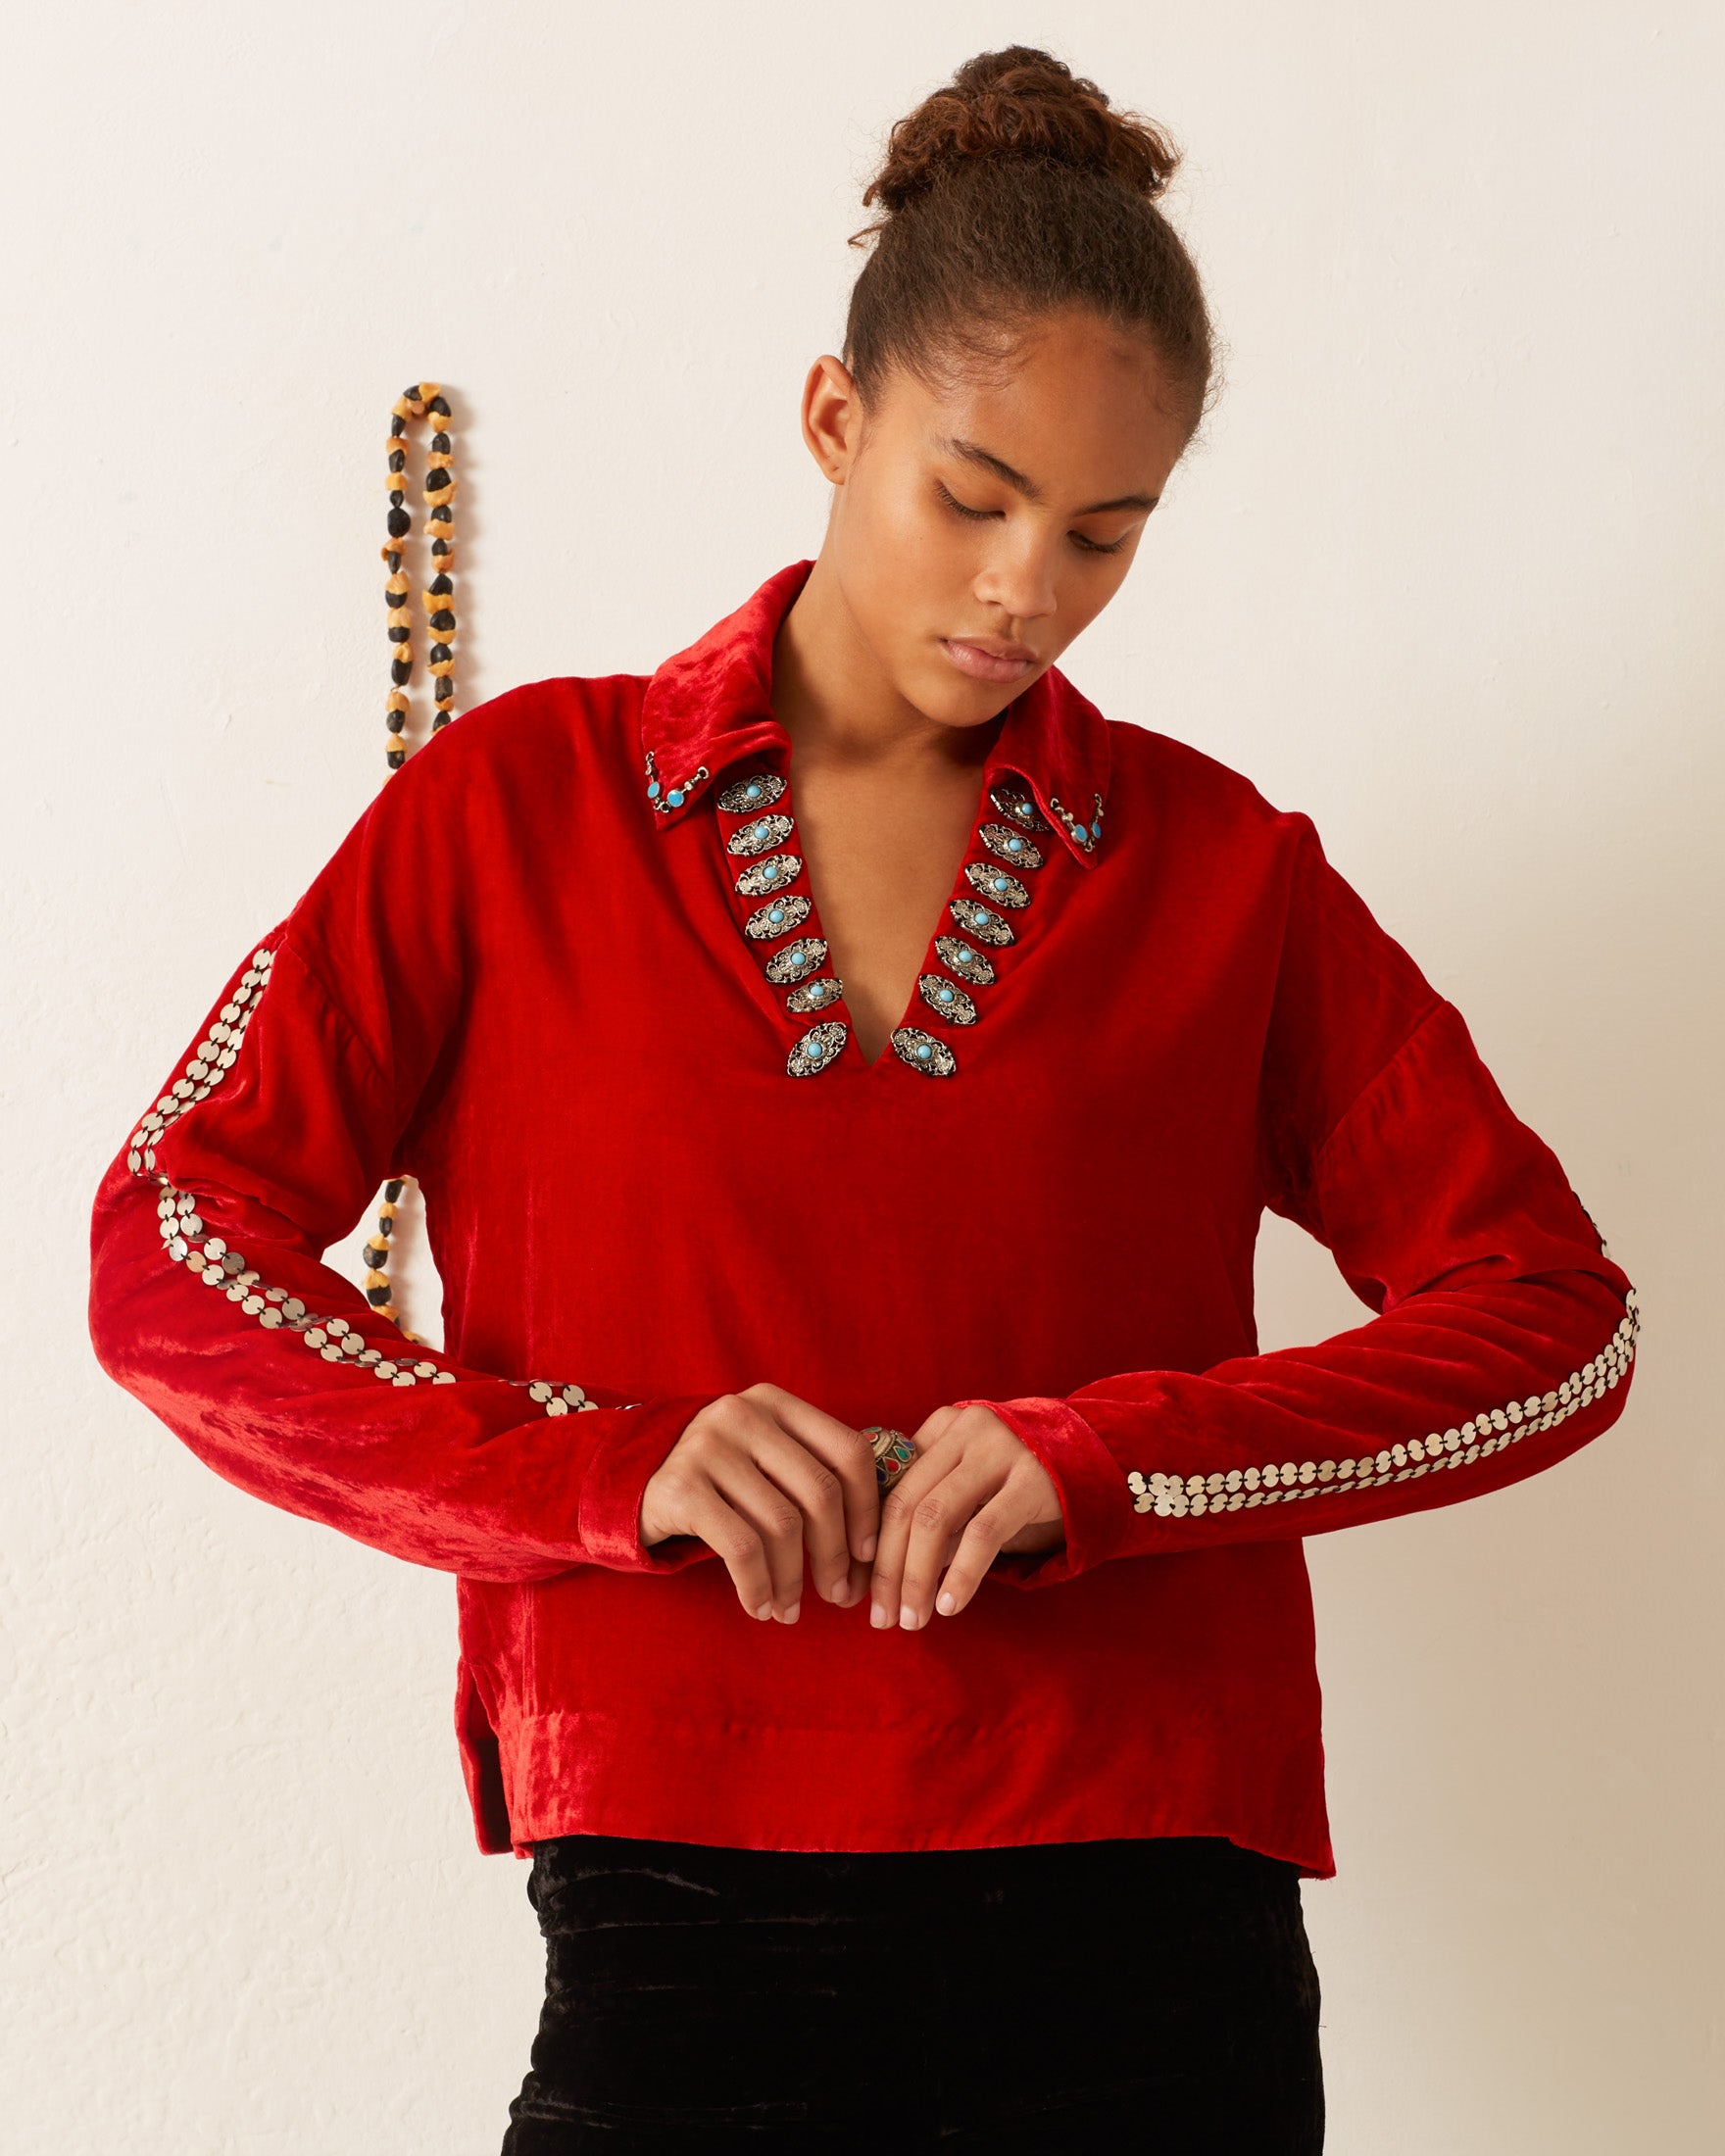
(1083,834)
(665,798)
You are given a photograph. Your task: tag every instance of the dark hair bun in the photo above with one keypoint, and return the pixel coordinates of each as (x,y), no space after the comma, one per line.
(1019,103)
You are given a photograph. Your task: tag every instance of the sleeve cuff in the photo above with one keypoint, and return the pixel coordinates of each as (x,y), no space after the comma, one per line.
(609,1517)
(1095,1501)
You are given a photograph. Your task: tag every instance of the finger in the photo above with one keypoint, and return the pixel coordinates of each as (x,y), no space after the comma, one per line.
(934,1427)
(938,1526)
(776,1520)
(978,1547)
(847,1452)
(704,1511)
(897,1512)
(818,1494)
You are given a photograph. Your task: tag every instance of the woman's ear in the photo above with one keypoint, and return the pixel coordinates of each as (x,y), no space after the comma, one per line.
(832,417)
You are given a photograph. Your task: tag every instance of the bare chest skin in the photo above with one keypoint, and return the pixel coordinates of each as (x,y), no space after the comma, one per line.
(882,854)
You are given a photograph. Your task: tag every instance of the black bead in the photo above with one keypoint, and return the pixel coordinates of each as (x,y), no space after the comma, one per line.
(440,585)
(440,718)
(401,636)
(395,757)
(401,671)
(443,620)
(375,1255)
(392,1191)
(392,560)
(436,479)
(440,407)
(377,1295)
(440,443)
(395,720)
(400,523)
(438,653)
(445,689)
(398,459)
(397,424)
(439,546)
(442,515)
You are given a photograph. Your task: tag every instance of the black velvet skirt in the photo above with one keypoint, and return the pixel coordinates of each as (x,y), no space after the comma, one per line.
(1086,1996)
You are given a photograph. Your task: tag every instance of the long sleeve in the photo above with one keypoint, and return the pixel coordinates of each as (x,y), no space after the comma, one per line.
(1505,1335)
(210,1301)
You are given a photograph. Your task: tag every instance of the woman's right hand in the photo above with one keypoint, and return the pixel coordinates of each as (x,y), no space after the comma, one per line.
(757,1474)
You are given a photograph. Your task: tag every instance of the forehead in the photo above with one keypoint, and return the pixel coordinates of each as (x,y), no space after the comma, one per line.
(1081,406)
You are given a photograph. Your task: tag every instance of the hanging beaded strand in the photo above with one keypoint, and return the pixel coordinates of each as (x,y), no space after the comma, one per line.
(420,400)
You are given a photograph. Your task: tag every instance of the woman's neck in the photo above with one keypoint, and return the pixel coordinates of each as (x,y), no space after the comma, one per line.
(838,706)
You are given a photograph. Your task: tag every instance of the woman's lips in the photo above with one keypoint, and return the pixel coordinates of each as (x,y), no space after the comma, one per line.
(982,664)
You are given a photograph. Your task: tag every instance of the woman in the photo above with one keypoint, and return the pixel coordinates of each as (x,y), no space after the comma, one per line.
(846,1047)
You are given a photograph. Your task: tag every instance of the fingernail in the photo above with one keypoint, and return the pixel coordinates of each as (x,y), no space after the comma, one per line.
(908,1618)
(879,1615)
(765,1610)
(865,1549)
(945,1603)
(790,1617)
(841,1592)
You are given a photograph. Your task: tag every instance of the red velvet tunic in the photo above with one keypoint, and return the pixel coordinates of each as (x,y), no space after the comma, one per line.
(567,971)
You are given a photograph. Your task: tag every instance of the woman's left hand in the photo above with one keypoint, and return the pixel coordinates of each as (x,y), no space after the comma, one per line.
(976,1491)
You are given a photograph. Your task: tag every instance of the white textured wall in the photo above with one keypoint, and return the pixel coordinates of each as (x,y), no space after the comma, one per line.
(1446,575)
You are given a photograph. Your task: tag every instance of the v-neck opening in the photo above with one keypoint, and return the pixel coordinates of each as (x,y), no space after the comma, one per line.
(766,835)
(927,964)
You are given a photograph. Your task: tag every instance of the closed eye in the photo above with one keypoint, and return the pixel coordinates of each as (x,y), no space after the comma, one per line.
(953,502)
(1084,545)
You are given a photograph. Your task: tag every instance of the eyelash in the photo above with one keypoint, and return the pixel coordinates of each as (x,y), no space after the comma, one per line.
(1086,546)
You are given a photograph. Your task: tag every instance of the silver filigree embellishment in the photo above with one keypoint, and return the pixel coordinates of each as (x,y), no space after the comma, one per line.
(756,837)
(770,874)
(945,999)
(995,882)
(969,964)
(778,918)
(815,994)
(817,1050)
(988,928)
(1011,846)
(797,961)
(754,790)
(923,1052)
(1012,802)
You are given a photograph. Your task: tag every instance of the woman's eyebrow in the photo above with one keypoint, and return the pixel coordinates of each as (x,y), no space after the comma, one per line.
(956,446)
